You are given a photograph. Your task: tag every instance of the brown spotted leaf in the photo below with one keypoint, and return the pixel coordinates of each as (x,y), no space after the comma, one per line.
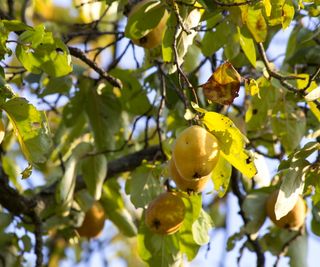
(223,86)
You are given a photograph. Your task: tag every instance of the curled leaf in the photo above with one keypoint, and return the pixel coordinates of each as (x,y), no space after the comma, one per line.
(223,86)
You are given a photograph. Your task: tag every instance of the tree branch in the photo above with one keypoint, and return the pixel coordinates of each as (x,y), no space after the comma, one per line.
(248,2)
(78,53)
(283,79)
(241,196)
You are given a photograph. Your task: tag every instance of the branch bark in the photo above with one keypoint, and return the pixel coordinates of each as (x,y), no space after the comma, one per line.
(78,53)
(241,196)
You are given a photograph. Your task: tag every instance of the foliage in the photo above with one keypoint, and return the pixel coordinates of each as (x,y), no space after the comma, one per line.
(87,115)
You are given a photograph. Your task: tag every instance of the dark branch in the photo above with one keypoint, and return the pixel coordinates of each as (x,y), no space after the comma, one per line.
(78,53)
(219,3)
(241,196)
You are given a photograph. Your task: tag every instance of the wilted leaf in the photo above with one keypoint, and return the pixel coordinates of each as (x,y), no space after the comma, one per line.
(30,127)
(223,86)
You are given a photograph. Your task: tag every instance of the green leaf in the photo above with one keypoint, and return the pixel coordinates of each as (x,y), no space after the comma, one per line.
(60,85)
(232,240)
(3,41)
(298,251)
(291,187)
(66,187)
(247,45)
(221,176)
(27,244)
(276,239)
(94,171)
(104,112)
(158,250)
(187,244)
(255,211)
(201,227)
(144,185)
(5,220)
(143,18)
(168,39)
(30,127)
(261,105)
(38,50)
(231,142)
(133,96)
(289,124)
(12,170)
(256,24)
(115,209)
(214,40)
(287,13)
(15,25)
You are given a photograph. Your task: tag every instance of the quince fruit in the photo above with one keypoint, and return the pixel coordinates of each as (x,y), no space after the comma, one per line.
(195,153)
(93,222)
(293,220)
(194,185)
(165,214)
(153,38)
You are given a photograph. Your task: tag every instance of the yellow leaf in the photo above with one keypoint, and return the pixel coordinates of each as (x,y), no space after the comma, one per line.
(314,110)
(231,141)
(267,7)
(257,24)
(252,87)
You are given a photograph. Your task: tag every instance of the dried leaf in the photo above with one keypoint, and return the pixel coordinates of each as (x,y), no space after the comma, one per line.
(223,86)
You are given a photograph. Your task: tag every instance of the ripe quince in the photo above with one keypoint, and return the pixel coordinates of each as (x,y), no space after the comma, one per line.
(165,214)
(194,185)
(195,153)
(153,38)
(293,220)
(93,222)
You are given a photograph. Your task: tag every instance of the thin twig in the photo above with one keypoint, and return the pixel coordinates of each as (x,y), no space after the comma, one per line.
(311,79)
(117,60)
(78,53)
(176,62)
(161,106)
